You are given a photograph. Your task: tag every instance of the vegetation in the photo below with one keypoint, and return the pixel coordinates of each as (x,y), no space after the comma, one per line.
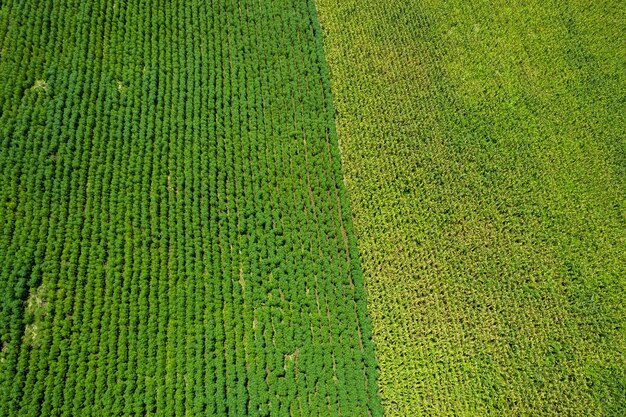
(175,236)
(485,159)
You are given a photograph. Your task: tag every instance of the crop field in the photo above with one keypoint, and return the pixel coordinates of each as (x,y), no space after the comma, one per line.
(229,208)
(175,236)
(484,152)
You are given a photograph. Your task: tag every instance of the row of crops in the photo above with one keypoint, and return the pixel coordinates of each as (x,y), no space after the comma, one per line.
(484,151)
(175,236)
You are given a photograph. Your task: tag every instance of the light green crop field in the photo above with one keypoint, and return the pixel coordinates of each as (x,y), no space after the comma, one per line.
(484,150)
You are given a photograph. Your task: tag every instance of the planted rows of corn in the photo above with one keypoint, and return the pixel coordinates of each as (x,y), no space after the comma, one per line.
(484,155)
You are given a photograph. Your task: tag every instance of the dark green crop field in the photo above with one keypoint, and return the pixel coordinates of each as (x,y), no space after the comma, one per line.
(484,151)
(174,230)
